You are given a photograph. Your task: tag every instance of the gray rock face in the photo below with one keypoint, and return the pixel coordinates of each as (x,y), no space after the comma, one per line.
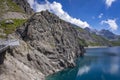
(15,9)
(15,15)
(24,5)
(54,38)
(47,45)
(14,69)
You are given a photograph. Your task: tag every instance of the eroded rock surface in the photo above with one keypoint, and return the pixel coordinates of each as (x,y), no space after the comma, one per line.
(47,45)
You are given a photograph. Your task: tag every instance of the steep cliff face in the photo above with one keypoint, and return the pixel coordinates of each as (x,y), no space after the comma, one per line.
(53,38)
(47,44)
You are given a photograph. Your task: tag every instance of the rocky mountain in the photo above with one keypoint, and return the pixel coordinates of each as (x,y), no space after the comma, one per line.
(17,9)
(47,44)
(108,35)
(92,37)
(91,30)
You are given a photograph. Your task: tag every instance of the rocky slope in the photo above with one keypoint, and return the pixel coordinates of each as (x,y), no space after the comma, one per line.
(91,38)
(47,44)
(109,35)
(14,9)
(24,6)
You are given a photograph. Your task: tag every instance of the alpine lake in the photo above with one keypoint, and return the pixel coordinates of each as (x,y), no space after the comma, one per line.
(96,64)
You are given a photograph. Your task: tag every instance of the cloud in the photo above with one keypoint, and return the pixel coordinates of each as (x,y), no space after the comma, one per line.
(83,70)
(100,16)
(112,23)
(56,8)
(31,2)
(109,2)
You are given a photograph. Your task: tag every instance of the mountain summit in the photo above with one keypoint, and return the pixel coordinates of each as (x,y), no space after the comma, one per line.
(108,34)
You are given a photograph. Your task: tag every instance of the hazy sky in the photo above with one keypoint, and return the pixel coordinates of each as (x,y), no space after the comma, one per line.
(98,14)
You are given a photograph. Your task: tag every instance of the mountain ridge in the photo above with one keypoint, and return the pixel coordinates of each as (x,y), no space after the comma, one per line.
(104,33)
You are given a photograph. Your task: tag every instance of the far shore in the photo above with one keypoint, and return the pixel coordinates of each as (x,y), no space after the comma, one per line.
(96,47)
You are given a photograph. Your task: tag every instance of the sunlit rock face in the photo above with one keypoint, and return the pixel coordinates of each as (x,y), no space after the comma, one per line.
(53,38)
(47,44)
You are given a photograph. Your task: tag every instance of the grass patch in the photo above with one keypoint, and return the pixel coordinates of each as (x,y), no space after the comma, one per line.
(3,37)
(10,28)
(115,43)
(82,42)
(94,44)
(100,41)
(95,36)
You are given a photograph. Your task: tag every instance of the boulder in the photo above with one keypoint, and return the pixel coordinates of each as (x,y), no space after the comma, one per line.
(9,22)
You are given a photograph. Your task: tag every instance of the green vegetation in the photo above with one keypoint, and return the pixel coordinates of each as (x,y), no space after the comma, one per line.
(9,6)
(80,29)
(82,42)
(9,28)
(115,43)
(100,41)
(1,36)
(94,44)
(98,37)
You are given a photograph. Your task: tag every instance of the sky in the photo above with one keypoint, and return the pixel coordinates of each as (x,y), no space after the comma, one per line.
(95,14)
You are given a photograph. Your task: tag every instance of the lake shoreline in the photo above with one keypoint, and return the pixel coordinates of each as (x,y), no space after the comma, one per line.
(96,47)
(99,61)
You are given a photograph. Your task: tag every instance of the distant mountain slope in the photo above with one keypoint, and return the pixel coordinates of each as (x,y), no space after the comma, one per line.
(108,34)
(91,38)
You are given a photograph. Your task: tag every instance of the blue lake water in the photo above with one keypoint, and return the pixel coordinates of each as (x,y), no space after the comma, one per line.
(97,64)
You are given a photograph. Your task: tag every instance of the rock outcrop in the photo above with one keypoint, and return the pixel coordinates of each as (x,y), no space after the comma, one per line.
(47,45)
(15,9)
(15,15)
(52,37)
(24,6)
